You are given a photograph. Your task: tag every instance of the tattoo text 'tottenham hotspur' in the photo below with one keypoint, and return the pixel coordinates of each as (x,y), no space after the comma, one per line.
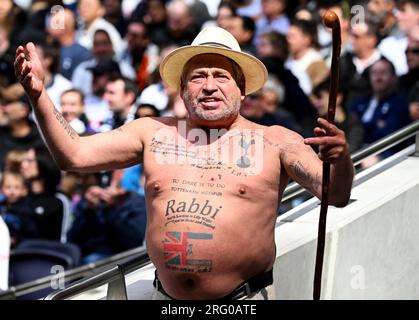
(70,131)
(178,249)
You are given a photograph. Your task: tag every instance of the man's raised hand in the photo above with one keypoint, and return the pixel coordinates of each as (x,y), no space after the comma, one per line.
(29,70)
(331,141)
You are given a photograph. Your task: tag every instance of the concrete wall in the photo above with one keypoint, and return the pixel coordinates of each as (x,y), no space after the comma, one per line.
(371,245)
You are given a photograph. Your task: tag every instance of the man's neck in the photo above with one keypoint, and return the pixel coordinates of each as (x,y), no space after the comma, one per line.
(227,124)
(300,54)
(365,55)
(20,129)
(66,39)
(382,95)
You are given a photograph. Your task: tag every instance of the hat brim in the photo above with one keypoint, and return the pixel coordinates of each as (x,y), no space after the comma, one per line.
(171,67)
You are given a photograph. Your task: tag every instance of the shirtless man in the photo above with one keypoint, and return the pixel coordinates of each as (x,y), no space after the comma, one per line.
(213,181)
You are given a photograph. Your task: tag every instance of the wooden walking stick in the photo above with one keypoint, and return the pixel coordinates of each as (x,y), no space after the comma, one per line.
(331,20)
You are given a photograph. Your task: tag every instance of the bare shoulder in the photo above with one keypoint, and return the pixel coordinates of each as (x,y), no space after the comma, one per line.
(283,138)
(148,124)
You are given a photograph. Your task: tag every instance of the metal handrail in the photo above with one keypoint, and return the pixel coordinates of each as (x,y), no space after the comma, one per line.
(103,278)
(72,274)
(292,190)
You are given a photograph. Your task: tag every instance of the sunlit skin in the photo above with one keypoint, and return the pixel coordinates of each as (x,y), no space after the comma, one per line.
(235,241)
(210,92)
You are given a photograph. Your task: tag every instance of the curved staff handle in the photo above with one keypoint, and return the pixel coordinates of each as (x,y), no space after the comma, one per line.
(331,20)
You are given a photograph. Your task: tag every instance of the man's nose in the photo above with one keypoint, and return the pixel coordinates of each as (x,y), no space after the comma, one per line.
(210,85)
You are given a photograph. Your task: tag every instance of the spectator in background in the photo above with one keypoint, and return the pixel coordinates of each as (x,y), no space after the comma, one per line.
(305,60)
(354,67)
(120,93)
(410,80)
(18,132)
(382,11)
(349,122)
(273,18)
(224,14)
(273,51)
(13,160)
(343,11)
(12,20)
(72,109)
(55,83)
(40,170)
(108,220)
(62,27)
(272,44)
(385,111)
(141,54)
(15,208)
(91,12)
(181,26)
(146,110)
(114,15)
(265,106)
(102,50)
(243,29)
(96,108)
(153,14)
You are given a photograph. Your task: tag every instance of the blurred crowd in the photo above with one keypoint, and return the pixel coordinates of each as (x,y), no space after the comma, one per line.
(101,60)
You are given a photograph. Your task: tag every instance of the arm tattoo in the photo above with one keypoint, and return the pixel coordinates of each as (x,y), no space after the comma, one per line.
(70,131)
(304,178)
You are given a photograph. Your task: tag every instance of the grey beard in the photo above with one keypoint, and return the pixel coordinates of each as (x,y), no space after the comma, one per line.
(200,113)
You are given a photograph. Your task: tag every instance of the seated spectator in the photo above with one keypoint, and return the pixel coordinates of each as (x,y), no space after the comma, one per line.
(243,29)
(385,111)
(71,52)
(18,130)
(15,208)
(13,160)
(72,109)
(108,220)
(91,13)
(113,14)
(410,81)
(265,106)
(120,94)
(273,18)
(346,121)
(305,60)
(55,83)
(141,54)
(40,170)
(102,49)
(354,67)
(295,101)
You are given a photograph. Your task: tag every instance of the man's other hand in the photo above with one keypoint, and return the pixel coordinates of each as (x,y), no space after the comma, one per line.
(331,141)
(29,70)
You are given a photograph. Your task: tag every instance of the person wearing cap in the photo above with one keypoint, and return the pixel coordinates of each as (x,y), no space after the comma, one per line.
(213,181)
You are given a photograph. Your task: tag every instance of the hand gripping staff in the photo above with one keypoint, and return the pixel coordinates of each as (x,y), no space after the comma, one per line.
(331,20)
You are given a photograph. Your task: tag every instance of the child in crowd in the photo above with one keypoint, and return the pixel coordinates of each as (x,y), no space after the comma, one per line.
(15,208)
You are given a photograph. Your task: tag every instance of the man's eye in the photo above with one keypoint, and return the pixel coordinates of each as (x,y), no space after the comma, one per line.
(197,77)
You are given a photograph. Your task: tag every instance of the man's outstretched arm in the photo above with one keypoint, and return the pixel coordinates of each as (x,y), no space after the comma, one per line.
(114,149)
(305,167)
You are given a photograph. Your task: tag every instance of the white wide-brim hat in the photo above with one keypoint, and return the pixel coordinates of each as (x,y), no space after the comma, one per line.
(213,40)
